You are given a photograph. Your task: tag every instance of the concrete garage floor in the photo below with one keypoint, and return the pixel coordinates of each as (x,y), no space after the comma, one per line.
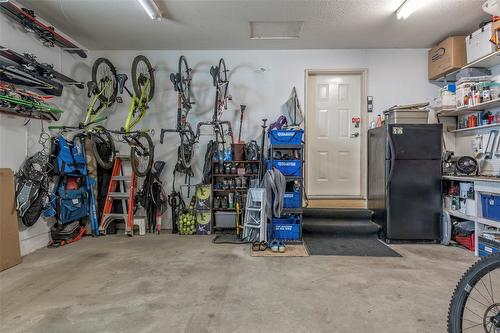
(172,283)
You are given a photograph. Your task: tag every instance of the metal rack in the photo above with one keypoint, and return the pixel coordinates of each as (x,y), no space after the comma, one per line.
(292,148)
(224,192)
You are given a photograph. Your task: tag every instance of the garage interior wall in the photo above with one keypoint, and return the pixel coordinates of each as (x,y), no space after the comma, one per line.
(263,80)
(18,141)
(260,79)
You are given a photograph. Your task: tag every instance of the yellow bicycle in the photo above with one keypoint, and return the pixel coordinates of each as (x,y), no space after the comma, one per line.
(102,91)
(140,142)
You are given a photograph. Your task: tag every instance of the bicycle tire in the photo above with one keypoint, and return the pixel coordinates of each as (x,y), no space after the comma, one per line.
(187,140)
(135,155)
(135,77)
(185,86)
(219,132)
(464,288)
(99,141)
(109,100)
(222,77)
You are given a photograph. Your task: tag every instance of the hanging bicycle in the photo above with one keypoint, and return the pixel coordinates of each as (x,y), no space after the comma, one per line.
(102,92)
(221,84)
(140,142)
(182,86)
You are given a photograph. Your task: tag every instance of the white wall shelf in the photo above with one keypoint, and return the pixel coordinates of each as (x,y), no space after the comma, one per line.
(453,112)
(487,61)
(482,185)
(474,128)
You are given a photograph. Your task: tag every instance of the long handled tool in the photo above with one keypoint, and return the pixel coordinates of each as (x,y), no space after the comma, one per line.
(242,111)
(262,160)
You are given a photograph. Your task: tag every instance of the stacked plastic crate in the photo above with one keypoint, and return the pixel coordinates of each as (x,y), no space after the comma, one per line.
(286,153)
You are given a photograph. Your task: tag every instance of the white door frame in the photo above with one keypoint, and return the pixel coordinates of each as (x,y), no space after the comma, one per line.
(363,72)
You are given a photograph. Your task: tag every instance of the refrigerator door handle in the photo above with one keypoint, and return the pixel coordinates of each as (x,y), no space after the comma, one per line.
(393,159)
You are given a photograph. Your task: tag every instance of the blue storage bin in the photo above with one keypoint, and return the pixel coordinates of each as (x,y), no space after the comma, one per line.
(491,206)
(286,137)
(292,200)
(285,228)
(289,168)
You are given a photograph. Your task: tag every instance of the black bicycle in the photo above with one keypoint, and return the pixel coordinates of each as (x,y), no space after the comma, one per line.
(221,84)
(475,305)
(182,85)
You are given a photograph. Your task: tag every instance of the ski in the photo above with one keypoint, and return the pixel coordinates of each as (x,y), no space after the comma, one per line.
(46,33)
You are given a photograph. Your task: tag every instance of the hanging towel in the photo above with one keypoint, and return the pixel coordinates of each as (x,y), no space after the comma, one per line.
(294,110)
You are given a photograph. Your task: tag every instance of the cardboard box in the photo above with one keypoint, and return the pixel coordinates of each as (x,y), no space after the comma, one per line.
(447,56)
(10,250)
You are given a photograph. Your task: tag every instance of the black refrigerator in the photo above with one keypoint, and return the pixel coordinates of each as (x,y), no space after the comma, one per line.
(404,180)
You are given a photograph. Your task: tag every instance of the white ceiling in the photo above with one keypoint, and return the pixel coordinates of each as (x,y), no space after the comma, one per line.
(224,24)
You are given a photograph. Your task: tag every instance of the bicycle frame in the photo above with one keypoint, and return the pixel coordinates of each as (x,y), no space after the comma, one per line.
(136,103)
(94,115)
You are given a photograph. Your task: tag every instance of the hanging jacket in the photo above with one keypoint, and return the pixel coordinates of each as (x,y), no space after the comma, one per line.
(275,185)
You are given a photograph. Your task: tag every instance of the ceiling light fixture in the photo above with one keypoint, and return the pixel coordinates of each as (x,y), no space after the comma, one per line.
(409,7)
(151,8)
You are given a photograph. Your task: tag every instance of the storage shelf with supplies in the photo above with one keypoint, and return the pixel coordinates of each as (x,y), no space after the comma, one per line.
(487,61)
(474,128)
(453,112)
(482,185)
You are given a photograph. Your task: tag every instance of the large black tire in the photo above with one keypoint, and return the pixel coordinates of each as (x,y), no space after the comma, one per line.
(464,288)
(222,77)
(141,65)
(186,146)
(34,211)
(138,155)
(185,84)
(105,69)
(103,147)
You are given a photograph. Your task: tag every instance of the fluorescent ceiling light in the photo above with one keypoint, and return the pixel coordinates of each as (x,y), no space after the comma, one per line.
(409,7)
(275,29)
(151,8)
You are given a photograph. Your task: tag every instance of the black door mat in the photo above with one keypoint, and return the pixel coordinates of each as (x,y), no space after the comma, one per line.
(346,237)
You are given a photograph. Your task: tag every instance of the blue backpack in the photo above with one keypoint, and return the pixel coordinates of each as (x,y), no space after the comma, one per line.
(69,205)
(70,157)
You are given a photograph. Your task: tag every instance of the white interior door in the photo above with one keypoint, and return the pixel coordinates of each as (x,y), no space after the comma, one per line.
(333,140)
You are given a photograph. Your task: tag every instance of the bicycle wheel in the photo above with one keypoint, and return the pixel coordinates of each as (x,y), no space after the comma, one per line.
(103,147)
(220,141)
(142,72)
(104,74)
(222,78)
(142,153)
(187,146)
(475,305)
(185,76)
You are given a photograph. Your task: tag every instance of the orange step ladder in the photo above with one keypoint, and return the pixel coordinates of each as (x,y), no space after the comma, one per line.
(126,195)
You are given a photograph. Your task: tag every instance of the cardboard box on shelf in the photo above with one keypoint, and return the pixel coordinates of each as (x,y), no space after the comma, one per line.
(447,56)
(10,251)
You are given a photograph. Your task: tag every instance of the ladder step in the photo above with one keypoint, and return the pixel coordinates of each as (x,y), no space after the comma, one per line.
(122,178)
(116,215)
(254,208)
(119,194)
(123,157)
(252,226)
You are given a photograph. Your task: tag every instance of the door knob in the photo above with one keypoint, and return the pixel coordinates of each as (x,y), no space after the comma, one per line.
(355,135)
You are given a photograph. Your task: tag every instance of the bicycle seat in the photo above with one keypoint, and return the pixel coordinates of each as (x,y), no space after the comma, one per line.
(92,87)
(214,71)
(121,79)
(176,79)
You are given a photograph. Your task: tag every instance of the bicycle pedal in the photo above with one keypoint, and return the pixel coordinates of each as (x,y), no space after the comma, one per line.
(119,99)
